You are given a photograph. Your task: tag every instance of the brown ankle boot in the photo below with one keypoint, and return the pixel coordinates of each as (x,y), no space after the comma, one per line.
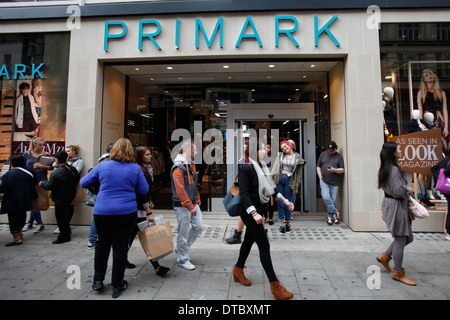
(401,276)
(384,260)
(279,292)
(239,276)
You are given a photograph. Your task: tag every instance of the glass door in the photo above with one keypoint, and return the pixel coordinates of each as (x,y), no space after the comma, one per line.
(272,132)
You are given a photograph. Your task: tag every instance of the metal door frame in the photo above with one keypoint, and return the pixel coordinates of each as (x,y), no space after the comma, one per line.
(302,112)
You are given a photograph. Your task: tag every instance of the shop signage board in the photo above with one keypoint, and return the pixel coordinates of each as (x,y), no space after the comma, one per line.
(420,150)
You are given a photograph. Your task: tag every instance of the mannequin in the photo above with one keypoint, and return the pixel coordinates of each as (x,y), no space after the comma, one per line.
(424,180)
(416,124)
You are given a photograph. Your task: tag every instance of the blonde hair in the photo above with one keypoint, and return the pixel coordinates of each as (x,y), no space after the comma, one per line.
(33,143)
(122,151)
(293,144)
(74,147)
(437,92)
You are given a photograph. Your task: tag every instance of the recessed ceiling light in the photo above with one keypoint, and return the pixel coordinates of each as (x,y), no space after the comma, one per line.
(226,67)
(137,69)
(313,65)
(169,68)
(152,79)
(304,77)
(268,77)
(271,66)
(388,77)
(180,78)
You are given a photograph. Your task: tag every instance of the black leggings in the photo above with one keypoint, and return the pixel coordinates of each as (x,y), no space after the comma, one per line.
(256,233)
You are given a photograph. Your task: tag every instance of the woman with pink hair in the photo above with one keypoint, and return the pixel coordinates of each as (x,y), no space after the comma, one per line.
(287,174)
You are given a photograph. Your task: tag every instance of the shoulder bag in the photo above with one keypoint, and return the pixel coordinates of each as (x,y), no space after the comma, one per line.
(232,200)
(443,182)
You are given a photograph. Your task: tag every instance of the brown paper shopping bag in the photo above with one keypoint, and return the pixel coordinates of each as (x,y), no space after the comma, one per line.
(41,203)
(156,240)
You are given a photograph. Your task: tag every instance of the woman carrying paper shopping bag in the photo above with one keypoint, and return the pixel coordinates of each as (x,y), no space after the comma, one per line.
(145,205)
(395,210)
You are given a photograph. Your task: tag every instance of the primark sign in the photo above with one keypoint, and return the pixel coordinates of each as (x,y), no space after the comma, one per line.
(284,26)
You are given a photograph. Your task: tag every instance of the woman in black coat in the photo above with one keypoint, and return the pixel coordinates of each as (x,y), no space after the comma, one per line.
(18,188)
(256,186)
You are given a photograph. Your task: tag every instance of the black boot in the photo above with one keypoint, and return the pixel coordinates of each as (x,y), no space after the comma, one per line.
(426,201)
(235,238)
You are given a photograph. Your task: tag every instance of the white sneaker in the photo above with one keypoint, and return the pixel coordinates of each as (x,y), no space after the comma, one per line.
(39,228)
(329,221)
(56,231)
(447,236)
(28,226)
(187,265)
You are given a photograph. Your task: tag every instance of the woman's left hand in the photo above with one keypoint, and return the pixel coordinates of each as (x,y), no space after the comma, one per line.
(258,218)
(150,218)
(290,205)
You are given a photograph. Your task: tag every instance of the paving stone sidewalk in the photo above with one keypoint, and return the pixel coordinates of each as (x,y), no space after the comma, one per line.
(315,261)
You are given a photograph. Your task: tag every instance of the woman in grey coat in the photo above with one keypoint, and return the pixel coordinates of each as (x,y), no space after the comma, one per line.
(394,210)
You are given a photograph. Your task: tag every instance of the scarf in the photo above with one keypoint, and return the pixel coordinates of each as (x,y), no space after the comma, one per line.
(149,169)
(265,181)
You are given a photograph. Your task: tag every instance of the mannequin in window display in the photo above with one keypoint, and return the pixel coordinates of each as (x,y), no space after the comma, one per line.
(433,99)
(389,113)
(416,124)
(424,181)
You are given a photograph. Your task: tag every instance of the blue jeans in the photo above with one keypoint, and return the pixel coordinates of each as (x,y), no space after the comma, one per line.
(35,216)
(329,193)
(92,233)
(187,236)
(284,214)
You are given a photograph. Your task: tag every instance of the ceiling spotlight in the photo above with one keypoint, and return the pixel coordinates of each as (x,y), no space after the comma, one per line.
(137,69)
(169,68)
(313,65)
(226,67)
(271,66)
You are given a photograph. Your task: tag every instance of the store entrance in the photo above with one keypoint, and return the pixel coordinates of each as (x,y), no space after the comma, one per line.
(274,123)
(279,130)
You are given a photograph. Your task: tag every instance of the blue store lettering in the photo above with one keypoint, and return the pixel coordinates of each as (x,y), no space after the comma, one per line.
(20,70)
(117,30)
